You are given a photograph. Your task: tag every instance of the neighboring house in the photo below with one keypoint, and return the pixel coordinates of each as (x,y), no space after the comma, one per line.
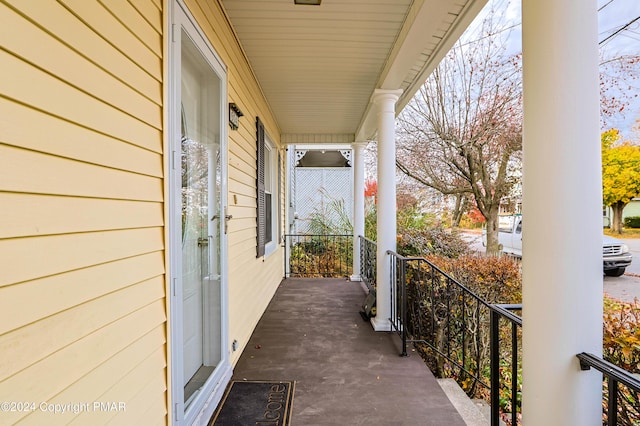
(321,185)
(630,210)
(142,183)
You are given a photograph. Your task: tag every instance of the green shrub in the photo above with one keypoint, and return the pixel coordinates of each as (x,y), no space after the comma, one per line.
(632,222)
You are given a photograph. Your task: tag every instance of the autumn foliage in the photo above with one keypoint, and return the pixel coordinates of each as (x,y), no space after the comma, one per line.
(620,174)
(621,346)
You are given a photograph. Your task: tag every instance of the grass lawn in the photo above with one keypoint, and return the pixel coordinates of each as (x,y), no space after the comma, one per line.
(626,233)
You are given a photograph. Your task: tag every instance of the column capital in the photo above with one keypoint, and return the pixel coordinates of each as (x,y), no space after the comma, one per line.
(386,95)
(359,144)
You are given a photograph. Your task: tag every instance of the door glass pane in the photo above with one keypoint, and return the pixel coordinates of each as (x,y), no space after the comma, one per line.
(200,170)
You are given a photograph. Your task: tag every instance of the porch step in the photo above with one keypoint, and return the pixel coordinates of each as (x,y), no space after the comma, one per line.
(474,413)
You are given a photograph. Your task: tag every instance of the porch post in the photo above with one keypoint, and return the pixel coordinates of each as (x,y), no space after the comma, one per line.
(385,101)
(562,207)
(358,205)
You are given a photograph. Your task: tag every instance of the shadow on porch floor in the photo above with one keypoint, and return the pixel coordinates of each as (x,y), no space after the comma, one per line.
(345,373)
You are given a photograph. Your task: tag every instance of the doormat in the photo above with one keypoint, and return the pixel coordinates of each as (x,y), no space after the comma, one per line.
(255,403)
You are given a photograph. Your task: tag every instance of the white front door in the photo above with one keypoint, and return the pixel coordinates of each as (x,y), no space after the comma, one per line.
(198,184)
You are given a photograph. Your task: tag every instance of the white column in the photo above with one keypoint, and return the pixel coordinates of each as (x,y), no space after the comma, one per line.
(562,253)
(385,101)
(358,205)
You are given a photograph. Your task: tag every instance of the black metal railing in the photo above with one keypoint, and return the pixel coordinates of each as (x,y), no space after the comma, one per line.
(308,255)
(459,334)
(622,388)
(368,261)
(506,375)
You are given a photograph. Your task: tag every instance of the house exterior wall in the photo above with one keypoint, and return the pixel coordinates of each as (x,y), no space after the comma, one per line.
(83,290)
(82,287)
(630,210)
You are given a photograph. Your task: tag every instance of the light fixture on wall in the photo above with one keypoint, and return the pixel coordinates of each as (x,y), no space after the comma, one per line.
(234,116)
(308,2)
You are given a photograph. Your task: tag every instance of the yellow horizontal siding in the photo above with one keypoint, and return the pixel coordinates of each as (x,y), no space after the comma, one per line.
(33,342)
(35,257)
(46,215)
(141,388)
(82,288)
(91,387)
(50,376)
(135,22)
(47,53)
(29,128)
(50,94)
(28,302)
(72,178)
(151,10)
(243,190)
(244,181)
(96,16)
(68,29)
(244,211)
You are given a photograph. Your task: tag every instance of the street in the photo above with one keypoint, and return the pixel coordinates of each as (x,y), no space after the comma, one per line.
(626,287)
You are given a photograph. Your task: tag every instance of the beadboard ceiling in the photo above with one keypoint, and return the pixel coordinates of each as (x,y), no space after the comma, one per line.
(318,66)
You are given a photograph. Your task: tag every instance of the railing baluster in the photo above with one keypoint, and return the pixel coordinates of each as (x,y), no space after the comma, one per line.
(478,337)
(612,409)
(514,373)
(403,305)
(464,330)
(495,368)
(448,317)
(432,301)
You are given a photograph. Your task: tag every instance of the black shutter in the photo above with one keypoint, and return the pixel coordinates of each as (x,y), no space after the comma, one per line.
(261,205)
(279,195)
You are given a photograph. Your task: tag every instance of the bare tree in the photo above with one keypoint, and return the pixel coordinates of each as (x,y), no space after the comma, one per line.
(461,134)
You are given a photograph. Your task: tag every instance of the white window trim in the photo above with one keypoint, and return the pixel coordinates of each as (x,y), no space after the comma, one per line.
(272,245)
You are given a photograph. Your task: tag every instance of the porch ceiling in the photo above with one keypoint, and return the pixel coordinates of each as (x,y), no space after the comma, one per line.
(318,66)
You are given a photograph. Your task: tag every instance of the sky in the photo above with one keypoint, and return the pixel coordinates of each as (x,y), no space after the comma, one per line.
(612,16)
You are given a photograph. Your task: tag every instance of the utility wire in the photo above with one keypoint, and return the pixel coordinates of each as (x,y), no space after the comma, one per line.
(605,5)
(624,27)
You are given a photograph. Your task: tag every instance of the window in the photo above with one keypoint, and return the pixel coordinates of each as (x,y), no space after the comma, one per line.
(267,192)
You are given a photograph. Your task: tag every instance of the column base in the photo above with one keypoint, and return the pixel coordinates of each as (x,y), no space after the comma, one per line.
(380,325)
(355,277)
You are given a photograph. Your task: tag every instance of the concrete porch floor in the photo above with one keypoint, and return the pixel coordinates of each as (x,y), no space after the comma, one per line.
(345,373)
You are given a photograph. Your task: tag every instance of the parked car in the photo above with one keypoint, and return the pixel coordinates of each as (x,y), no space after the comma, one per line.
(615,253)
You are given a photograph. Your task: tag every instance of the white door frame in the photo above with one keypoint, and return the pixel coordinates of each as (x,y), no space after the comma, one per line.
(204,403)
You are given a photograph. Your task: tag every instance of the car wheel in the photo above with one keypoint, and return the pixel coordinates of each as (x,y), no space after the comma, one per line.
(614,272)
